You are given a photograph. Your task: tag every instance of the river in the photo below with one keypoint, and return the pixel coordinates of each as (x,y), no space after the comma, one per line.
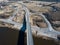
(49,0)
(41,41)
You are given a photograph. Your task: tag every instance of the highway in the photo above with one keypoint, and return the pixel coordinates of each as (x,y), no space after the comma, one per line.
(10,19)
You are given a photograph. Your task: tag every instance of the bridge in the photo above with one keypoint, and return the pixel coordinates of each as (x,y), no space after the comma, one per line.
(49,31)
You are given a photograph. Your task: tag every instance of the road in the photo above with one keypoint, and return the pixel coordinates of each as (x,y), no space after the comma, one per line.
(49,31)
(10,19)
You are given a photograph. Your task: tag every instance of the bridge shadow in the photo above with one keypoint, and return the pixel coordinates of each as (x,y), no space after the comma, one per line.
(22,33)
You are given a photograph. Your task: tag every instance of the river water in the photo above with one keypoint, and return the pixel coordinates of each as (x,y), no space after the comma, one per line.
(41,41)
(49,0)
(10,37)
